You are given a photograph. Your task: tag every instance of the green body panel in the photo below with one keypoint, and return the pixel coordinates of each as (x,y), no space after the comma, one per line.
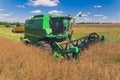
(60,36)
(39,27)
(46,20)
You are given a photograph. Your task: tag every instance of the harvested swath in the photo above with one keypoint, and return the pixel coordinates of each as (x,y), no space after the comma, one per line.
(21,62)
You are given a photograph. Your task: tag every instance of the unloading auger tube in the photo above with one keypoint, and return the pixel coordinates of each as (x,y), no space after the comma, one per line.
(73,19)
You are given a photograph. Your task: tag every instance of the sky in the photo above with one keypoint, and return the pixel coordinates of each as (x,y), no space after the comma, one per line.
(92,10)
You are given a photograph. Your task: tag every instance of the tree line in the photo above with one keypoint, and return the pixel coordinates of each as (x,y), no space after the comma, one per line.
(8,24)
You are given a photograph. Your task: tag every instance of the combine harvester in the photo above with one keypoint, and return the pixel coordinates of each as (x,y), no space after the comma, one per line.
(54,33)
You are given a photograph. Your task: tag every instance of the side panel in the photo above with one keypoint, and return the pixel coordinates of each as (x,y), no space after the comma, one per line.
(46,25)
(33,29)
(46,22)
(37,28)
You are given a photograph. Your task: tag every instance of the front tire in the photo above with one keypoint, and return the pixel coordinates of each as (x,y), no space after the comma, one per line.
(44,45)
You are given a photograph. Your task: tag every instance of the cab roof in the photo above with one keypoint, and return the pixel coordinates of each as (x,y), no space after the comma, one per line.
(51,15)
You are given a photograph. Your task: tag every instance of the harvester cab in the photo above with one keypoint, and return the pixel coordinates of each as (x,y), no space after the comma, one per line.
(59,25)
(51,31)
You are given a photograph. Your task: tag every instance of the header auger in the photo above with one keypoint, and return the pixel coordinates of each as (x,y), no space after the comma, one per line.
(54,33)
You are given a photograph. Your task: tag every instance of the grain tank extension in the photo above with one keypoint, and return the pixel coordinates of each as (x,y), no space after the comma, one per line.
(54,33)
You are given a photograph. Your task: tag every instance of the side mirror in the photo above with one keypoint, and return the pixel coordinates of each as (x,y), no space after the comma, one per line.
(80,15)
(69,15)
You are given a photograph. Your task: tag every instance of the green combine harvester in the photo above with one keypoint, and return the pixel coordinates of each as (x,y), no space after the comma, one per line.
(53,32)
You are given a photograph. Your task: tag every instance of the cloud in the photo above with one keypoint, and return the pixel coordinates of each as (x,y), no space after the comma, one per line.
(96,18)
(97,6)
(119,14)
(36,11)
(20,6)
(4,15)
(98,15)
(2,9)
(8,17)
(43,2)
(101,17)
(55,12)
(83,19)
(104,17)
(13,18)
(84,15)
(89,13)
(87,19)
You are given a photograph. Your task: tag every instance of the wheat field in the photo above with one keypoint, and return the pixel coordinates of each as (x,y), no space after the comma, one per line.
(27,62)
(110,31)
(21,62)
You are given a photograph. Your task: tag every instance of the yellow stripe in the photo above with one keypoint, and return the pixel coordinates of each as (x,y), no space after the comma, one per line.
(31,35)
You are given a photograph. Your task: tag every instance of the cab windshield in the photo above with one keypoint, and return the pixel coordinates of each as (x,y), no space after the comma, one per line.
(59,25)
(65,22)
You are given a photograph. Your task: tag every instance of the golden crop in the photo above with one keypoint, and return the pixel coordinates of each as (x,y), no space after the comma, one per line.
(21,62)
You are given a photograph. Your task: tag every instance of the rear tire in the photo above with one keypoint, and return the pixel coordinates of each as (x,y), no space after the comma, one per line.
(26,42)
(13,31)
